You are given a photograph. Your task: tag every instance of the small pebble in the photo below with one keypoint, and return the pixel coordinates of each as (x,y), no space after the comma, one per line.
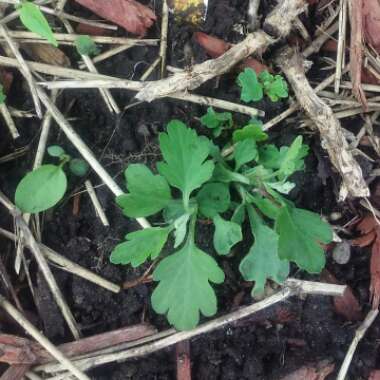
(334,216)
(342,253)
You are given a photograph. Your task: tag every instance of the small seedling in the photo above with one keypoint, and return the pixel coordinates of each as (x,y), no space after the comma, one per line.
(34,20)
(254,87)
(85,45)
(217,121)
(249,185)
(44,187)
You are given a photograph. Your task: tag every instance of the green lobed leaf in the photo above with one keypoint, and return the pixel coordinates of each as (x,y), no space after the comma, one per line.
(250,131)
(286,160)
(238,215)
(55,151)
(141,246)
(184,153)
(282,187)
(34,20)
(85,45)
(213,198)
(226,235)
(275,87)
(293,159)
(213,119)
(266,206)
(41,189)
(301,234)
(245,151)
(180,225)
(262,261)
(184,290)
(79,167)
(224,174)
(148,193)
(251,89)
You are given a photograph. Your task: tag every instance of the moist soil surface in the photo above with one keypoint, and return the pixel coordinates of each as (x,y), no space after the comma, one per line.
(270,344)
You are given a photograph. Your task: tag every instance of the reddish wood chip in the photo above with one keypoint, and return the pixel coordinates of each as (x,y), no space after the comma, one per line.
(367,224)
(374,375)
(214,46)
(255,65)
(92,30)
(129,14)
(318,371)
(347,305)
(364,240)
(183,360)
(375,274)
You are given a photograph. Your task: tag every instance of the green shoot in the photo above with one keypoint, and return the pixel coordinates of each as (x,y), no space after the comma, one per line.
(85,45)
(34,20)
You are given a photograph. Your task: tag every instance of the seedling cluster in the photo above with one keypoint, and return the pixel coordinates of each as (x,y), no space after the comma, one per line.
(243,181)
(44,187)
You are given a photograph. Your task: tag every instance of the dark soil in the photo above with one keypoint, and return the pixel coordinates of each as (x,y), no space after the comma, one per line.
(267,346)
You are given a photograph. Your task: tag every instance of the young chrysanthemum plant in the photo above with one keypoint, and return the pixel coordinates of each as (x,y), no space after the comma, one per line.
(247,184)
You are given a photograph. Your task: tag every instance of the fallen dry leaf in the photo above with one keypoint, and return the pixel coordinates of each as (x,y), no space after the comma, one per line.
(215,47)
(374,375)
(371,24)
(318,371)
(136,18)
(47,54)
(367,224)
(347,305)
(375,274)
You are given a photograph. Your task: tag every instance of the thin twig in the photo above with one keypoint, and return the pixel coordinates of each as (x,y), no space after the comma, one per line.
(136,86)
(95,201)
(107,54)
(164,36)
(150,69)
(327,123)
(69,266)
(25,70)
(341,44)
(71,37)
(24,323)
(29,240)
(9,121)
(360,332)
(106,95)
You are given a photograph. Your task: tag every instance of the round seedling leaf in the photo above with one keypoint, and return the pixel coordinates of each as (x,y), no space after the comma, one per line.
(55,151)
(41,189)
(78,167)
